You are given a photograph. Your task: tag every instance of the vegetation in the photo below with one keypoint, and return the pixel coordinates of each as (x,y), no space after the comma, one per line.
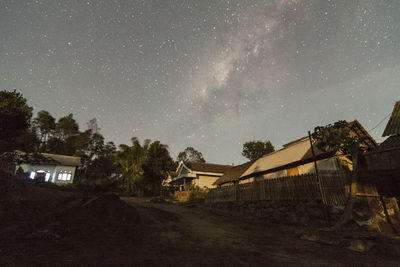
(15,117)
(337,137)
(256,149)
(190,154)
(136,169)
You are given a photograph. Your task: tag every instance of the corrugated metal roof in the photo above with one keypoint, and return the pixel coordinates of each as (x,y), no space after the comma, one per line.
(288,154)
(42,158)
(393,126)
(64,160)
(300,150)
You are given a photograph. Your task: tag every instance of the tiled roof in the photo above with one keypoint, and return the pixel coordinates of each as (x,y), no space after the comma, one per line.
(393,126)
(233,173)
(206,167)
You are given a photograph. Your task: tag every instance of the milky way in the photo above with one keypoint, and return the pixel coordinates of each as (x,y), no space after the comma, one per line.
(208,74)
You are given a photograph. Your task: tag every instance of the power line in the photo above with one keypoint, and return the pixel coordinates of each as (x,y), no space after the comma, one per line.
(380,122)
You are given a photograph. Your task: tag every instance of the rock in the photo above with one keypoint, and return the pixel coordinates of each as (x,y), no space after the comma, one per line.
(276,215)
(310,237)
(315,213)
(301,208)
(292,218)
(361,245)
(366,222)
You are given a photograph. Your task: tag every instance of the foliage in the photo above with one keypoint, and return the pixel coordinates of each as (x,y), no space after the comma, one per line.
(190,154)
(45,125)
(256,149)
(66,127)
(157,165)
(15,117)
(336,137)
(131,160)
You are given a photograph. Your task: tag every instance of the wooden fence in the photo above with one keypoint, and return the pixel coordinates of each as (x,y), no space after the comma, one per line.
(300,187)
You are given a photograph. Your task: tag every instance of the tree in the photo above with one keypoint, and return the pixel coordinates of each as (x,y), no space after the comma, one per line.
(157,165)
(67,127)
(131,159)
(45,124)
(338,138)
(256,149)
(190,154)
(15,117)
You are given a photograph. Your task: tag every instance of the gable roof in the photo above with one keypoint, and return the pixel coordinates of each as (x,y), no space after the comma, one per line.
(63,159)
(42,158)
(393,126)
(233,174)
(206,167)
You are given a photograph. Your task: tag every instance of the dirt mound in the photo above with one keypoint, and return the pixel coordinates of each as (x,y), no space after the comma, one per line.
(105,210)
(93,231)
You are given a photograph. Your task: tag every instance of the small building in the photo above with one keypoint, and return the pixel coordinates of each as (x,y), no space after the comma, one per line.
(387,155)
(197,173)
(296,158)
(58,169)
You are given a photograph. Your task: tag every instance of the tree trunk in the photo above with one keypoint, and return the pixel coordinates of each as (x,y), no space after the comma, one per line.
(348,211)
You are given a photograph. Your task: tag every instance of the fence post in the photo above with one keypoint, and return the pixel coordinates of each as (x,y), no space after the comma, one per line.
(316,171)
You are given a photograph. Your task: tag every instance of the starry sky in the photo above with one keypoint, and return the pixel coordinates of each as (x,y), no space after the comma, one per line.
(209,74)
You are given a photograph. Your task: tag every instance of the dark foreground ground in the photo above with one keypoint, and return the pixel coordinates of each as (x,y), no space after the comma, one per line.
(69,230)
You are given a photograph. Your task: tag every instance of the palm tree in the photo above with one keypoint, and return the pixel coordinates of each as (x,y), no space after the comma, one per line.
(131,159)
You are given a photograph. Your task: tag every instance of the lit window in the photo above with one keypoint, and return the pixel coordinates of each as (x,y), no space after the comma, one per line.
(68,177)
(64,176)
(59,176)
(47,176)
(32,176)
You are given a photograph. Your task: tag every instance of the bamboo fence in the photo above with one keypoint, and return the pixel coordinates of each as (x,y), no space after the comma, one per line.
(299,187)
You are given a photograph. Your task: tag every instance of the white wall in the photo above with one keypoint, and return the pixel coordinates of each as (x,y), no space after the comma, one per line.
(52,169)
(61,168)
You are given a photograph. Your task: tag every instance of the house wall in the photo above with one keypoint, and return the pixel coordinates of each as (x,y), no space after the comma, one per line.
(52,169)
(384,160)
(30,168)
(62,168)
(205,181)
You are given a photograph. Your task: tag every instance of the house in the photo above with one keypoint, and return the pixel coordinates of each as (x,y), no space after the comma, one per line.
(197,173)
(387,154)
(58,169)
(232,175)
(296,158)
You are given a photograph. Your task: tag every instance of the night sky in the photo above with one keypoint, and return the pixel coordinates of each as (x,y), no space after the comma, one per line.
(208,74)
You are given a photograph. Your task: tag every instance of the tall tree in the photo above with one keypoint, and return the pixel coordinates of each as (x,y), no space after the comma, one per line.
(190,154)
(45,125)
(15,117)
(67,127)
(131,159)
(157,165)
(256,149)
(338,137)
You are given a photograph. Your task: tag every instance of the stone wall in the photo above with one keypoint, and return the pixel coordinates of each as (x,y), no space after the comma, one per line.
(368,213)
(304,212)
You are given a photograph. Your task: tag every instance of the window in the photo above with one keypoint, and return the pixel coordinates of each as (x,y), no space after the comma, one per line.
(32,175)
(64,176)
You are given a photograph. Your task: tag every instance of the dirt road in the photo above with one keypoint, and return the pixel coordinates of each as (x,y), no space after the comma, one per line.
(192,235)
(107,231)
